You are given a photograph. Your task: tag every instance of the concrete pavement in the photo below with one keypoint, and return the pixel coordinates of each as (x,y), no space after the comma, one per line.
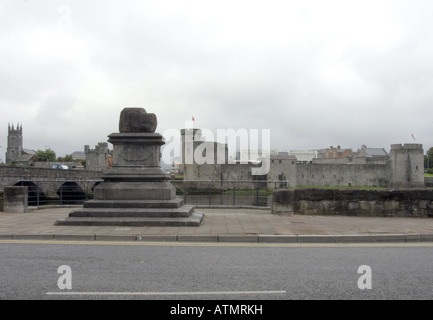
(224,225)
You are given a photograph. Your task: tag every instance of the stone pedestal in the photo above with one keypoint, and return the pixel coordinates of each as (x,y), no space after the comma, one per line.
(135,191)
(15,199)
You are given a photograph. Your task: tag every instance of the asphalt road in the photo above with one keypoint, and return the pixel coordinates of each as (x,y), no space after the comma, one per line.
(214,272)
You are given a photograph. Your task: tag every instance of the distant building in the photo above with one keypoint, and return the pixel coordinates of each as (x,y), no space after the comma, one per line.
(15,144)
(98,159)
(78,155)
(304,156)
(369,155)
(334,153)
(27,159)
(15,152)
(254,155)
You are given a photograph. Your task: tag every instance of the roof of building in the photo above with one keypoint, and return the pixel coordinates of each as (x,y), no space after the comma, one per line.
(283,157)
(28,151)
(370,152)
(78,155)
(27,158)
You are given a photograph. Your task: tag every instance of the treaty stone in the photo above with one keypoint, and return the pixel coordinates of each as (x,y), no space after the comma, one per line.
(137,120)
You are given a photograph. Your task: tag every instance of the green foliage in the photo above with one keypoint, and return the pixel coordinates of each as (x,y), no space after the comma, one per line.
(67,158)
(430,153)
(339,187)
(47,155)
(428,159)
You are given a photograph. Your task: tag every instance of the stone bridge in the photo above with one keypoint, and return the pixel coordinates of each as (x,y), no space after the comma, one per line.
(50,183)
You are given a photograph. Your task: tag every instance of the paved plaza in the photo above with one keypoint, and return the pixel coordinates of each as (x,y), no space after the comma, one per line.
(223,225)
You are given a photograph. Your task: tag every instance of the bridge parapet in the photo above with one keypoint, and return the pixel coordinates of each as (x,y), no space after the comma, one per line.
(10,176)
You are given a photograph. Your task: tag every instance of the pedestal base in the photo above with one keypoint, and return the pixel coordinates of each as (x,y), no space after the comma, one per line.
(134,213)
(194,220)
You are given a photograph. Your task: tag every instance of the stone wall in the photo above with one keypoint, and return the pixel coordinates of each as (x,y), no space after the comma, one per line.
(428,182)
(350,202)
(9,176)
(49,174)
(403,168)
(343,175)
(283,169)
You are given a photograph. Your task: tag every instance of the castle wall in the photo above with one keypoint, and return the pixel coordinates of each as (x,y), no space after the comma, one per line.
(237,172)
(402,169)
(283,169)
(407,166)
(343,175)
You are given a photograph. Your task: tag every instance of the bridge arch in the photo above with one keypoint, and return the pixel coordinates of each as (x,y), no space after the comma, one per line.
(95,185)
(36,196)
(71,192)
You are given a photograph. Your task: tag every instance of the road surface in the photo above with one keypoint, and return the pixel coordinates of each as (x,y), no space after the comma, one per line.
(174,271)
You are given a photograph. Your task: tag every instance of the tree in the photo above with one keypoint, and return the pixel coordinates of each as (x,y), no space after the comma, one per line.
(67,158)
(47,155)
(428,159)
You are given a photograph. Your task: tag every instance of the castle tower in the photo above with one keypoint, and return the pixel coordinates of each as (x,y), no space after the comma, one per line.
(97,159)
(407,166)
(188,138)
(15,143)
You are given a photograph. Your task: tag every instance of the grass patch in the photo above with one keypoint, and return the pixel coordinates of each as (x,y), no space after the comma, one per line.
(248,192)
(268,192)
(428,175)
(339,187)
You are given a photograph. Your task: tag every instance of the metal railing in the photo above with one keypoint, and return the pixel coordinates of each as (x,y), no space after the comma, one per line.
(255,193)
(59,192)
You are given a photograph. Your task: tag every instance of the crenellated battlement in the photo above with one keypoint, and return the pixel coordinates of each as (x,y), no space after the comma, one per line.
(406,146)
(12,129)
(100,148)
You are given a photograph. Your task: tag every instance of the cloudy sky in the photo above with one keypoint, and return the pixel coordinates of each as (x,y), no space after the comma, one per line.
(317,73)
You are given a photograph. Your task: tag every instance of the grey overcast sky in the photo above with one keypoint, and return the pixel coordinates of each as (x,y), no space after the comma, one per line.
(317,73)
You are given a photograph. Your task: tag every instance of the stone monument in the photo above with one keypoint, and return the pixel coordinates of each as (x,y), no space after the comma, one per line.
(135,191)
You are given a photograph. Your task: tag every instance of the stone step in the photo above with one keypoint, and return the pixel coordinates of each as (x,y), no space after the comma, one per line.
(174,203)
(193,220)
(184,211)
